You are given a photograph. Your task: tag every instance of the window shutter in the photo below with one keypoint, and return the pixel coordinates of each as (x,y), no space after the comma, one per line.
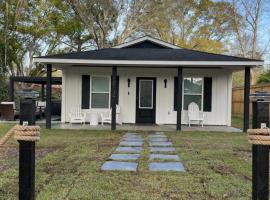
(175,93)
(85,91)
(117,89)
(207,95)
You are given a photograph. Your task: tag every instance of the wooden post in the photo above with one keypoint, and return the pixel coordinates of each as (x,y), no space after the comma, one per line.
(48,96)
(27,156)
(260,172)
(113,103)
(246,99)
(179,98)
(260,155)
(11,88)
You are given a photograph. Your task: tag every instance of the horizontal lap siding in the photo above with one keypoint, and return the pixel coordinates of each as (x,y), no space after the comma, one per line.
(165,113)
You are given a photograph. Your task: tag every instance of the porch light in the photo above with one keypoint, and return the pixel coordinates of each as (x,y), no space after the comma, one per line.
(165,83)
(128,82)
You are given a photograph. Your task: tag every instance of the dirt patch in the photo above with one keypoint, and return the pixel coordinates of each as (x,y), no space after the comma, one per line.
(9,156)
(226,170)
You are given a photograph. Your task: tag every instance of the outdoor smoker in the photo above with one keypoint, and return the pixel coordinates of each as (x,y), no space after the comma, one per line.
(27,105)
(260,153)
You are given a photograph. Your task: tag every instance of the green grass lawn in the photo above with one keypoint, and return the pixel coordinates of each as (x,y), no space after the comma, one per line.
(237,121)
(218,166)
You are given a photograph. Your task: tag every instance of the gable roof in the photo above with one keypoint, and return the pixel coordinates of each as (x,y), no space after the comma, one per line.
(147,51)
(147,39)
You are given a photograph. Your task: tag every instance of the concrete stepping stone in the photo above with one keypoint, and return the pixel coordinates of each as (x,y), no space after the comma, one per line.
(132,139)
(160,144)
(166,166)
(128,149)
(164,157)
(162,149)
(158,139)
(157,136)
(132,136)
(119,166)
(131,143)
(124,157)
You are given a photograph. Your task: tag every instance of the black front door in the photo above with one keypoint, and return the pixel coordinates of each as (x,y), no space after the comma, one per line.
(146,100)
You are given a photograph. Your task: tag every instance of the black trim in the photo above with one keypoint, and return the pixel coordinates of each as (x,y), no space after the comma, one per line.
(207,94)
(145,115)
(85,92)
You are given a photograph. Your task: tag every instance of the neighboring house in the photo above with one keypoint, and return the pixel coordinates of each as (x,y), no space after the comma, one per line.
(146,72)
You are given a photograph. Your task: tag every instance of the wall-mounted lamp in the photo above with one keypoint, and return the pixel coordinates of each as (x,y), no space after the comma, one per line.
(165,83)
(128,82)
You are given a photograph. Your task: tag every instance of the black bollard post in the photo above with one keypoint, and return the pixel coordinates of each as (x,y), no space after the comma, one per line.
(260,172)
(260,153)
(27,153)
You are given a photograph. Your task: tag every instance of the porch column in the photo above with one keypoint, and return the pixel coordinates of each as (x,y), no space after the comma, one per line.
(42,92)
(48,96)
(246,99)
(11,88)
(179,98)
(113,103)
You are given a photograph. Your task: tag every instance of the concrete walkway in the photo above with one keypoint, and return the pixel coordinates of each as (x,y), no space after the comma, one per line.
(162,154)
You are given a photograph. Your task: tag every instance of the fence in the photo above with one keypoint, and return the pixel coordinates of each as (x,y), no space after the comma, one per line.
(238,97)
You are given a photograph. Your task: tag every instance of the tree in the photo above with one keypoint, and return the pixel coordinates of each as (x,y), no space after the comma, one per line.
(247,18)
(99,17)
(264,77)
(199,25)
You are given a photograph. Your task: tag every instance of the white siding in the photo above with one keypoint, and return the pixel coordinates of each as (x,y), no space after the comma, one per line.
(221,92)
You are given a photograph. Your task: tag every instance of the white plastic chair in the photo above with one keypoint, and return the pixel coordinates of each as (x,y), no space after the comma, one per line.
(194,114)
(107,116)
(76,116)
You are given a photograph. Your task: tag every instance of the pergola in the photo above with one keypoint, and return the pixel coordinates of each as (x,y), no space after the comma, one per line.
(34,80)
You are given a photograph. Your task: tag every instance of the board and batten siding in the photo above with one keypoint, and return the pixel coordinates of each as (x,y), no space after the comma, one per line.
(165,114)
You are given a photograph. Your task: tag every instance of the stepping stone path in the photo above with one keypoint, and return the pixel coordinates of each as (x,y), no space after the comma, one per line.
(128,150)
(163,157)
(162,154)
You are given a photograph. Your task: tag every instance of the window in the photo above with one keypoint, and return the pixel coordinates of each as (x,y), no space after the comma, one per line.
(100,92)
(146,94)
(193,92)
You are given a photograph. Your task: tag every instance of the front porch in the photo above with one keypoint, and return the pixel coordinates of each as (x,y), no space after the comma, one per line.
(146,127)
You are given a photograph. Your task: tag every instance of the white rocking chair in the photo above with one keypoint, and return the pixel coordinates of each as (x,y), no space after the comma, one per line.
(76,116)
(107,117)
(194,114)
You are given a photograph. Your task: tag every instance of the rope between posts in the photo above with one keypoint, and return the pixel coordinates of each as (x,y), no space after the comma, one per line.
(24,133)
(259,136)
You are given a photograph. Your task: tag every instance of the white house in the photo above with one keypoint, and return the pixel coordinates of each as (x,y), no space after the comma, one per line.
(144,76)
